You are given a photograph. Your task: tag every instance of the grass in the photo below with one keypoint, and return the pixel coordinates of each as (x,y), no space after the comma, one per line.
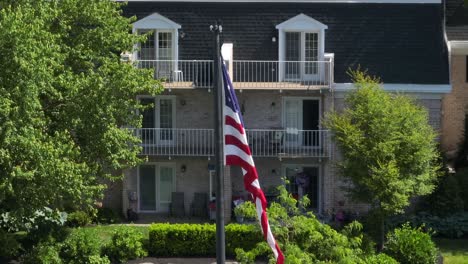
(104,232)
(455,251)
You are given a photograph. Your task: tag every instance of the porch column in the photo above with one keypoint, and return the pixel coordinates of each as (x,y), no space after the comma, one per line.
(227,194)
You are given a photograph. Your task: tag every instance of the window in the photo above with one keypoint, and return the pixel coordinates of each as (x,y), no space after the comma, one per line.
(301,48)
(158,122)
(160,50)
(158,45)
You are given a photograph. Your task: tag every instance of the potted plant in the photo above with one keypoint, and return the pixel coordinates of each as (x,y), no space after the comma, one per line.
(245,210)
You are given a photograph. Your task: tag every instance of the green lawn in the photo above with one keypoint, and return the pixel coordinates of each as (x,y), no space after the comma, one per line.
(455,251)
(104,232)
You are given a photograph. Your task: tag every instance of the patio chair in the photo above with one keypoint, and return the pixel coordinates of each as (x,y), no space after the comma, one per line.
(177,207)
(199,205)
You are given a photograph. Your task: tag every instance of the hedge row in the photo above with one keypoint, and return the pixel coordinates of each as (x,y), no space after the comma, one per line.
(190,240)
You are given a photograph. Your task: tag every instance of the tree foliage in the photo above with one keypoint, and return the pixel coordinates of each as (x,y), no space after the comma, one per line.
(389,149)
(65,96)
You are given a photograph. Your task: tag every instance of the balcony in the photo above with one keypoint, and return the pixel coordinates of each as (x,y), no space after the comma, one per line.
(281,143)
(295,75)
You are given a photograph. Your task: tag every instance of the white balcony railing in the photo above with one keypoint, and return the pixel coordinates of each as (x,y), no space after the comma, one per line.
(263,142)
(244,74)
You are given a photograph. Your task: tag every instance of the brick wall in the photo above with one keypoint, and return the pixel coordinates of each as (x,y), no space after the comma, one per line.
(455,107)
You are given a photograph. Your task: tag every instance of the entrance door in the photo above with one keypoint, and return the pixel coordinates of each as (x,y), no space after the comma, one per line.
(303,180)
(301,121)
(156,182)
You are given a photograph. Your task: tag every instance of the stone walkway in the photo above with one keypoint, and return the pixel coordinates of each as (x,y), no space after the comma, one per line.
(178,261)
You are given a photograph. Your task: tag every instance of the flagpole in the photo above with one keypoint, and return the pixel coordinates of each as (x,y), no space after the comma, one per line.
(219,139)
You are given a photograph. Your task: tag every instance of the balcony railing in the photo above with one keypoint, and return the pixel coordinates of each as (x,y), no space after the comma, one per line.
(245,74)
(286,143)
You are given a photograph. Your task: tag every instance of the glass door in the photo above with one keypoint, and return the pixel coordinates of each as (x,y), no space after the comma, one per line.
(155,184)
(166,65)
(166,187)
(292,65)
(165,117)
(303,180)
(310,66)
(292,121)
(147,188)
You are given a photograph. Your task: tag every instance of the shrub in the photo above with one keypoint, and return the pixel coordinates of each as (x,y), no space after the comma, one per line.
(411,246)
(106,216)
(9,246)
(453,226)
(380,259)
(304,239)
(246,209)
(81,247)
(197,239)
(126,244)
(95,259)
(44,252)
(78,219)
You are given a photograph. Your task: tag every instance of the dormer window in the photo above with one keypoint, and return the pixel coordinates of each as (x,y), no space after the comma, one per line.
(301,48)
(160,50)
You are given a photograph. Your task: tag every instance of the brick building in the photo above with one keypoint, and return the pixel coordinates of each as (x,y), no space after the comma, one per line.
(289,62)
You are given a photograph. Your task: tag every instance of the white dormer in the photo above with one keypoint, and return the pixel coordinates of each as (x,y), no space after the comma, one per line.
(162,44)
(301,48)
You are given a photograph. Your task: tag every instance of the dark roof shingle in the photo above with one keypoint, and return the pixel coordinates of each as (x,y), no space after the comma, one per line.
(401,43)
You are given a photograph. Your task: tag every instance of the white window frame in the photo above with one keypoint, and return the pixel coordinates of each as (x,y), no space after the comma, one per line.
(158,23)
(157,167)
(157,112)
(301,98)
(302,24)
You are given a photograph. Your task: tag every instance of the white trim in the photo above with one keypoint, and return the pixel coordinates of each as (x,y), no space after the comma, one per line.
(302,24)
(404,88)
(458,47)
(157,167)
(156,21)
(298,1)
(302,98)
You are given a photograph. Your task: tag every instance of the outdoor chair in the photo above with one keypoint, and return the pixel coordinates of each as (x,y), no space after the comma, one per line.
(177,207)
(199,205)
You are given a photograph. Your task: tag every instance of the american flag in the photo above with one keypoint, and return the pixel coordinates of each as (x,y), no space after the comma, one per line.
(237,152)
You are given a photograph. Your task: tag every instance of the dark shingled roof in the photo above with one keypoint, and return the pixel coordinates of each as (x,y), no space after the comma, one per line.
(456,20)
(401,43)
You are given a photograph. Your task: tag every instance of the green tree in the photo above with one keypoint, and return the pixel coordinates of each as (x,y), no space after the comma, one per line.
(65,97)
(389,149)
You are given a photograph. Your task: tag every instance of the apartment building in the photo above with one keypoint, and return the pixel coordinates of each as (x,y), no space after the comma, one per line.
(288,61)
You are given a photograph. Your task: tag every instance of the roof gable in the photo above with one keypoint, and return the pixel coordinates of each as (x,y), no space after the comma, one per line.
(301,22)
(155,20)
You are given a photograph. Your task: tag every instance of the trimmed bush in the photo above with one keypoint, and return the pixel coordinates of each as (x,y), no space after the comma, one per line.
(453,226)
(78,219)
(126,244)
(81,247)
(44,252)
(198,239)
(380,259)
(106,216)
(411,246)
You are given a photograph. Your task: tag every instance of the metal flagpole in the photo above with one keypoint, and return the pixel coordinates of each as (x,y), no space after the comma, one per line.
(219,137)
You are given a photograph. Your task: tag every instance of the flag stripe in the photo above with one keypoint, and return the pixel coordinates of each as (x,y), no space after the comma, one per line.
(237,152)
